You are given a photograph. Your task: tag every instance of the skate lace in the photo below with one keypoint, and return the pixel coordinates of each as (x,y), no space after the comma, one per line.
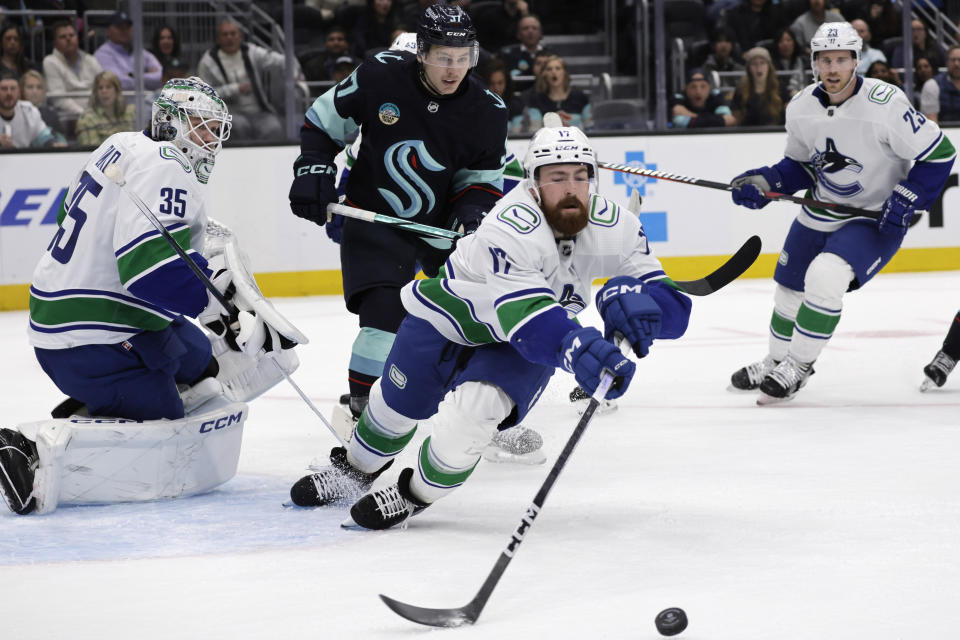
(333,482)
(943,362)
(757,371)
(789,373)
(393,505)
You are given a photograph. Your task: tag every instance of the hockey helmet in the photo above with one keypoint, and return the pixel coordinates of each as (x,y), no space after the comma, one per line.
(447,26)
(835,36)
(406,41)
(185,110)
(556,144)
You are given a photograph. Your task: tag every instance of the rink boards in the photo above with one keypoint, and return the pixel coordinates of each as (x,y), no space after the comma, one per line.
(691,227)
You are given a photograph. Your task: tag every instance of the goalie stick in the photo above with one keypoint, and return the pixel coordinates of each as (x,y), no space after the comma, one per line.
(726,273)
(114,173)
(469,613)
(723,186)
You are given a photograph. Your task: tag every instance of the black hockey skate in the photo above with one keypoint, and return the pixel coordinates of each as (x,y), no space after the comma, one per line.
(338,481)
(783,382)
(937,371)
(386,507)
(580,399)
(18,463)
(748,378)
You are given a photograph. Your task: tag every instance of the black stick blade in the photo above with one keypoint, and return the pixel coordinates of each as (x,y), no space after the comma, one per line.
(432,617)
(728,271)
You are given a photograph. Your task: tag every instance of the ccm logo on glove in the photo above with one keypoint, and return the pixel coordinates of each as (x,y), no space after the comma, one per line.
(316,168)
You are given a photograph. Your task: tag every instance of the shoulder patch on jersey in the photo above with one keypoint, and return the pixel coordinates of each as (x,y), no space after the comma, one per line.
(603,212)
(881,93)
(389,113)
(521,217)
(497,99)
(168,152)
(385,56)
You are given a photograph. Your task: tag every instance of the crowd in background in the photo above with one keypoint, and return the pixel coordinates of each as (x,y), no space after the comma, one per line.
(745,59)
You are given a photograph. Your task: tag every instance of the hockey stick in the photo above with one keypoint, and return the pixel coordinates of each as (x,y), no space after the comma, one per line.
(114,173)
(729,271)
(469,613)
(723,186)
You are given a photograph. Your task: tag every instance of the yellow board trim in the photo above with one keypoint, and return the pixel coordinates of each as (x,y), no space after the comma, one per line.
(318,283)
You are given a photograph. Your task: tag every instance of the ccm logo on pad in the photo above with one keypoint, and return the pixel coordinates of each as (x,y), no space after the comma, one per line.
(220,423)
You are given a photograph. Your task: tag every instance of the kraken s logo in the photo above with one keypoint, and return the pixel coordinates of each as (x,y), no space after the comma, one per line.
(832,162)
(402,160)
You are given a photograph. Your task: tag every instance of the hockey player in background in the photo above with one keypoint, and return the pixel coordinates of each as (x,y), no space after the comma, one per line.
(935,374)
(432,151)
(482,338)
(107,321)
(850,140)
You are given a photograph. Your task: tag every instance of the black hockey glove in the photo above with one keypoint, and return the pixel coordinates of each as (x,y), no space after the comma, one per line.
(466,219)
(314,187)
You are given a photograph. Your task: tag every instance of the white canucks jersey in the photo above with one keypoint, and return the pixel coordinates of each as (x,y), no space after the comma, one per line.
(514,268)
(79,294)
(859,150)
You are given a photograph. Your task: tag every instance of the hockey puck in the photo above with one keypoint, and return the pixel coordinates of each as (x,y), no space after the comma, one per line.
(671,621)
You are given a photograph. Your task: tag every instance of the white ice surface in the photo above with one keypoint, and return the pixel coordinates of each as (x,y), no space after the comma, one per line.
(834,516)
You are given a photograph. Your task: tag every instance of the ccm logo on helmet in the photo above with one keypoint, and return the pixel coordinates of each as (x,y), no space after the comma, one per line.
(457,34)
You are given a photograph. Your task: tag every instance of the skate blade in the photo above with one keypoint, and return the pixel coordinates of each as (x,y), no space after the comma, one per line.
(351,525)
(734,389)
(765,401)
(495,454)
(605,407)
(927,385)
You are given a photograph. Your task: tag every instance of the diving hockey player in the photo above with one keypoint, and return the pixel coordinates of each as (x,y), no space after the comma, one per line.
(432,151)
(493,326)
(855,141)
(151,413)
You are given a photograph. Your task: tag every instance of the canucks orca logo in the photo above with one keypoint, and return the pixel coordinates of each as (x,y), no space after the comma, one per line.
(832,161)
(571,301)
(402,160)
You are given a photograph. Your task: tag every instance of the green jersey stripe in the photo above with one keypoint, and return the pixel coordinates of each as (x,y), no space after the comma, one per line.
(941,153)
(379,441)
(812,321)
(438,477)
(456,310)
(86,309)
(516,311)
(147,255)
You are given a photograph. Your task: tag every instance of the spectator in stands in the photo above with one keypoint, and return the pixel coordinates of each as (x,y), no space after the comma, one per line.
(553,92)
(758,100)
(343,67)
(495,75)
(12,56)
(922,71)
(940,96)
(69,70)
(33,88)
(107,113)
(923,47)
(723,58)
(700,105)
(376,28)
(410,11)
(236,71)
(21,126)
(166,49)
(868,55)
(497,25)
(519,57)
(319,65)
(884,20)
(786,57)
(807,23)
(117,55)
(753,21)
(882,71)
(540,59)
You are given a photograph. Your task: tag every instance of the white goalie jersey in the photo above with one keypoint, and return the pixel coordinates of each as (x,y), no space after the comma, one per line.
(83,289)
(513,269)
(859,150)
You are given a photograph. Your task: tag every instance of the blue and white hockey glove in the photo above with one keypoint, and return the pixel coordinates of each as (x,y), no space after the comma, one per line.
(585,354)
(749,187)
(627,308)
(314,187)
(899,208)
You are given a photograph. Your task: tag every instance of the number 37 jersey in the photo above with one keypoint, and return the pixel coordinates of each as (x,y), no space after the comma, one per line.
(108,274)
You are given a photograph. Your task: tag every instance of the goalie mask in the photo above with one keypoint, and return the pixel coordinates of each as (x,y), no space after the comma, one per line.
(556,144)
(189,113)
(835,36)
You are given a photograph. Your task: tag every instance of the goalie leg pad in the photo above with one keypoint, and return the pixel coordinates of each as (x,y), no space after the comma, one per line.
(107,460)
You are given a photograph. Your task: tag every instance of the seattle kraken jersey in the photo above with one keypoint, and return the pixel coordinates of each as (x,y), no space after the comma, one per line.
(108,274)
(859,150)
(419,153)
(514,269)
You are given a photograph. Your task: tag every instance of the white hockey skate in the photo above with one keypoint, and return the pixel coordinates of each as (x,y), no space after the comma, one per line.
(748,378)
(580,399)
(935,374)
(519,445)
(783,382)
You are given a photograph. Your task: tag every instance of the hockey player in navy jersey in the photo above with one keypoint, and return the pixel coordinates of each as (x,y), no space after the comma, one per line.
(432,150)
(482,338)
(854,141)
